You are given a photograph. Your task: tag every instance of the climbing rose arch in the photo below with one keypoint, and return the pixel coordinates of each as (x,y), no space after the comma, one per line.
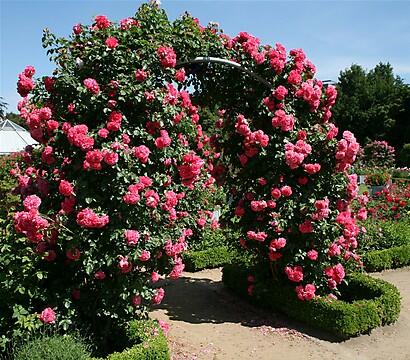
(132,131)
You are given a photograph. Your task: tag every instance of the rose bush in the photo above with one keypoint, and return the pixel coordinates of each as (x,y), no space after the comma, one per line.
(112,194)
(378,154)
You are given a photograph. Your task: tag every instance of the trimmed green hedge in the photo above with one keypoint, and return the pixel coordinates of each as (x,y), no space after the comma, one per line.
(147,342)
(394,257)
(207,259)
(150,343)
(368,302)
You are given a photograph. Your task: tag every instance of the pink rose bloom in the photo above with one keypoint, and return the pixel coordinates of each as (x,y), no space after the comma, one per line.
(145,181)
(306,293)
(167,56)
(277,244)
(243,159)
(132,237)
(201,222)
(52,125)
(91,85)
(152,198)
(141,75)
(77,136)
(99,275)
(24,85)
(102,22)
(312,255)
(124,265)
(336,274)
(131,198)
(258,236)
(164,326)
(180,75)
(127,23)
(145,255)
(158,296)
(87,218)
(190,170)
(258,206)
(154,277)
(306,227)
(103,133)
(332,133)
(51,256)
(29,71)
(49,83)
(136,300)
(111,42)
(163,141)
(47,316)
(73,254)
(32,202)
(280,92)
(114,121)
(110,158)
(276,193)
(312,168)
(362,214)
(125,139)
(295,273)
(65,188)
(142,153)
(286,191)
(294,78)
(77,29)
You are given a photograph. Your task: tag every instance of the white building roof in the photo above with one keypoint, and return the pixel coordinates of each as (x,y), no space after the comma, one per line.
(13,137)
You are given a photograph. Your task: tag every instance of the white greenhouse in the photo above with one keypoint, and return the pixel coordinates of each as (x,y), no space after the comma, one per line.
(13,137)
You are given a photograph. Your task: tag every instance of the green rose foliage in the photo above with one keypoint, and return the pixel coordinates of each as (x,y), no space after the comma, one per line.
(116,188)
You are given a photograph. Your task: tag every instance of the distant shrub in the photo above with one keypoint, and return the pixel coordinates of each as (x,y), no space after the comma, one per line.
(382,235)
(377,178)
(378,153)
(405,155)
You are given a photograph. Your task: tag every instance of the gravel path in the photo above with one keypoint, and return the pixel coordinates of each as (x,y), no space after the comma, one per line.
(209,323)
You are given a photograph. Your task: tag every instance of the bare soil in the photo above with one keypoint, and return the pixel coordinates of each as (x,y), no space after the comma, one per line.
(209,323)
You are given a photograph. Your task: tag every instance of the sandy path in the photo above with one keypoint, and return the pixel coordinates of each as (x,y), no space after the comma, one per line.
(209,323)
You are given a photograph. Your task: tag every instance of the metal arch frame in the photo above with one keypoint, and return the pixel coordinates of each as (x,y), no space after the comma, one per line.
(215,60)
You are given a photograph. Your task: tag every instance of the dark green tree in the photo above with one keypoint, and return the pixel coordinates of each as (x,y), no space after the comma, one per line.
(371,104)
(3,106)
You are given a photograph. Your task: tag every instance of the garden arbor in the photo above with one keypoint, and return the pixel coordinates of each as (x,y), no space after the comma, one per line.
(136,121)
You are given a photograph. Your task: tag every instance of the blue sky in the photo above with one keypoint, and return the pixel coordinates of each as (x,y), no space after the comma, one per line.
(334,34)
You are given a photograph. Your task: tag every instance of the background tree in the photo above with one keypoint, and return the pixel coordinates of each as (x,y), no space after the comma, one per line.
(3,106)
(373,104)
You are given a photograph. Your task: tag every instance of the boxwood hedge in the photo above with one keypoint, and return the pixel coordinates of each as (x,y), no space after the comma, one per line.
(146,339)
(394,257)
(207,259)
(366,302)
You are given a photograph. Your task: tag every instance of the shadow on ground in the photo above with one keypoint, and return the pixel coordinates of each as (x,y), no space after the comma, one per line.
(202,300)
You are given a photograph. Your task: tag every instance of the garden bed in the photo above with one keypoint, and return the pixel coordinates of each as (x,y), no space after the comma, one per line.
(367,302)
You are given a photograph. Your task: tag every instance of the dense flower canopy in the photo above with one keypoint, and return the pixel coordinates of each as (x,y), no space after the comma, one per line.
(112,193)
